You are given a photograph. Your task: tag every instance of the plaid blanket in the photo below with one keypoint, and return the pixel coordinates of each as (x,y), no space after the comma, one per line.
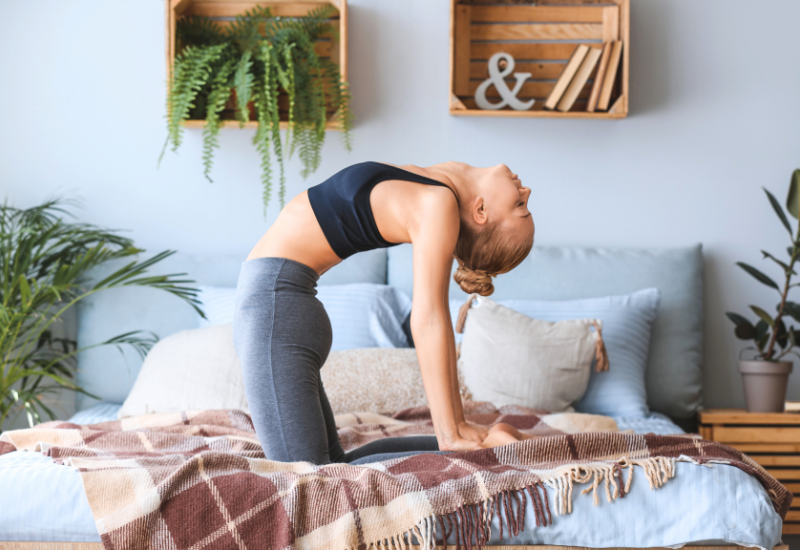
(199,480)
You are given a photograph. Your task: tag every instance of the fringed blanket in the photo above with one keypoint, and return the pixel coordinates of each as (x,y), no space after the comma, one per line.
(199,480)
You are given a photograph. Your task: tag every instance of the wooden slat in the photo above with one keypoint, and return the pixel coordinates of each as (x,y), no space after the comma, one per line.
(793,515)
(779,460)
(232,9)
(767,447)
(461,44)
(579,106)
(539,71)
(791,528)
(520,52)
(537,114)
(529,90)
(541,31)
(330,125)
(610,23)
(781,475)
(537,14)
(793,488)
(740,416)
(725,434)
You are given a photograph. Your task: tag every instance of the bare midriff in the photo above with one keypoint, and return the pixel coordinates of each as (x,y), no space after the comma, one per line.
(296,235)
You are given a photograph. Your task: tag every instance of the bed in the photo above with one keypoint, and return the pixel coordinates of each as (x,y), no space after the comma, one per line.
(45,502)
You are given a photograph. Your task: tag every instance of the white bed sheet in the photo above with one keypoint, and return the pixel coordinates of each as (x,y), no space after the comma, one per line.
(42,501)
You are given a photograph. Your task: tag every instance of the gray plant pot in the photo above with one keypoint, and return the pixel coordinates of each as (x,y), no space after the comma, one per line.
(765,384)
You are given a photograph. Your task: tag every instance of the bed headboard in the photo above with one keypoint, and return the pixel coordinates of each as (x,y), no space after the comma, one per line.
(674,379)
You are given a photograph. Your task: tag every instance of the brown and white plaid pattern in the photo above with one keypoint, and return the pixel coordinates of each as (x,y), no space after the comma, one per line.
(199,480)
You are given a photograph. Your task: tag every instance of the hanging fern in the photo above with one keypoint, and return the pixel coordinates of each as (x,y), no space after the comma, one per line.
(259,58)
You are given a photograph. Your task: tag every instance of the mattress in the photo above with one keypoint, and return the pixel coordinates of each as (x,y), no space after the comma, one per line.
(720,504)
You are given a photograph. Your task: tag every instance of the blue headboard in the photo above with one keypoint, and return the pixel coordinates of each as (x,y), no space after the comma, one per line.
(674,378)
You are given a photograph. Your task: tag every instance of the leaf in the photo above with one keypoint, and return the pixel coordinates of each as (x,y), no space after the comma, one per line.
(786,269)
(736,318)
(778,210)
(792,309)
(781,333)
(758,275)
(793,197)
(763,315)
(762,329)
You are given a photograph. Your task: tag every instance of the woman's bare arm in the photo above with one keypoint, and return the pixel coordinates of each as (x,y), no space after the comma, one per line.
(434,237)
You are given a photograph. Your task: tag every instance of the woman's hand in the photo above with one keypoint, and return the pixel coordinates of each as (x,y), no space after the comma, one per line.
(473,432)
(503,434)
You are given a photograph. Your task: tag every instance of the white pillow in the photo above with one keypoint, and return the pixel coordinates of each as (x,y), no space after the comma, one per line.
(627,323)
(507,358)
(363,315)
(191,370)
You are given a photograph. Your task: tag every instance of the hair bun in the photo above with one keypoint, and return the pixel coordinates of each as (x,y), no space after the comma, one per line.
(473,281)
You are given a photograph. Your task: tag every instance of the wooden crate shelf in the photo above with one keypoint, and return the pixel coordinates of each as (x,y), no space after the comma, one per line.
(541,37)
(223,11)
(771,439)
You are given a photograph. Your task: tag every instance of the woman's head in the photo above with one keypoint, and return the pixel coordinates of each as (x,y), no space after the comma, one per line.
(496,231)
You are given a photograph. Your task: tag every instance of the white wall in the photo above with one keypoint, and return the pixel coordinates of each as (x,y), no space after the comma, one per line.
(715,105)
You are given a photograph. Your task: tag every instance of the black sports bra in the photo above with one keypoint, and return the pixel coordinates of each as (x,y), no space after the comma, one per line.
(341,205)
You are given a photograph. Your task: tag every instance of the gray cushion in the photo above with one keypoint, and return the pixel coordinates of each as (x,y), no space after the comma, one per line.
(110,375)
(674,378)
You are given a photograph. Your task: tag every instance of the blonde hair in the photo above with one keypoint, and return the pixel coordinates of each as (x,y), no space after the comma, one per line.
(485,253)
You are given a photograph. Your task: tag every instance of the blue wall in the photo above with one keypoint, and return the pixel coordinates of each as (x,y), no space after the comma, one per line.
(715,99)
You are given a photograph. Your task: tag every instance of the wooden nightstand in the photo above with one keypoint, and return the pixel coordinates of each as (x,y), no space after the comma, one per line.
(771,439)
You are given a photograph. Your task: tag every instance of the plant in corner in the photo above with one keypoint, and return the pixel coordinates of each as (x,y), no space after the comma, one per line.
(765,377)
(44,262)
(261,60)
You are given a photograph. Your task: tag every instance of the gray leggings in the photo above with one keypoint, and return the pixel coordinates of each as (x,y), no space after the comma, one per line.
(282,336)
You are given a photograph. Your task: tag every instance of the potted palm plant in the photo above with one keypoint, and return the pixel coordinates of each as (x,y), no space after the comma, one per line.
(44,262)
(766,375)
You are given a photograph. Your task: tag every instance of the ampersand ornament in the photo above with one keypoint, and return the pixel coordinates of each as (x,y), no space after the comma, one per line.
(501,65)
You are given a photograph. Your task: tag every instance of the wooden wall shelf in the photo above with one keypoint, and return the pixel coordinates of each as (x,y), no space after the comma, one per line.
(224,10)
(540,36)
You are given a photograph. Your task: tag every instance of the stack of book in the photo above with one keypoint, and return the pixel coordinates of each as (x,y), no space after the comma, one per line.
(576,74)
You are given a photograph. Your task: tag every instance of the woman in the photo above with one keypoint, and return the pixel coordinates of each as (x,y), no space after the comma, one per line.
(282,333)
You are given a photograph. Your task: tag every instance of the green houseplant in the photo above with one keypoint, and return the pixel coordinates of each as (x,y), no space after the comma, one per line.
(253,61)
(765,377)
(44,262)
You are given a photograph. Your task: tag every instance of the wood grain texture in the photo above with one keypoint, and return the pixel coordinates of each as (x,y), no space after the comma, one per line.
(541,38)
(539,31)
(741,416)
(727,434)
(461,65)
(537,14)
(539,71)
(524,52)
(288,8)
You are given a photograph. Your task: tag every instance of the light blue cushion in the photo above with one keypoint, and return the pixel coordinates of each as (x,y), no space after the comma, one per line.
(627,321)
(674,373)
(363,315)
(110,374)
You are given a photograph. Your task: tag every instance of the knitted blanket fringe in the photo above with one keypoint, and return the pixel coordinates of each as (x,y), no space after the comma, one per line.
(472,523)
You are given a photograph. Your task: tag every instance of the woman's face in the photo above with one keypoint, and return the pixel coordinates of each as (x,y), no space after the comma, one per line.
(506,199)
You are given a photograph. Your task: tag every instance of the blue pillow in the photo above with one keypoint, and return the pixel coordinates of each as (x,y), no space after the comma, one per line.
(363,315)
(627,322)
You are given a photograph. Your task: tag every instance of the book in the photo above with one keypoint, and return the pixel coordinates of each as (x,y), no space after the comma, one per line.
(597,85)
(792,407)
(569,70)
(579,80)
(610,77)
